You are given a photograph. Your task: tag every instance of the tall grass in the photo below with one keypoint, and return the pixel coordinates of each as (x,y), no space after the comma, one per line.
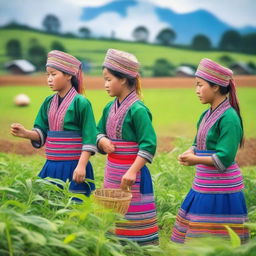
(39,218)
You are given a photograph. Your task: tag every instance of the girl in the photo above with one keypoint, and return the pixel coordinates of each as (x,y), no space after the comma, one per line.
(65,123)
(126,134)
(216,198)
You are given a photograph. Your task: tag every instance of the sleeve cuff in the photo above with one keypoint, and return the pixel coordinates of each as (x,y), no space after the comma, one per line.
(40,143)
(146,155)
(217,163)
(100,136)
(90,148)
(193,148)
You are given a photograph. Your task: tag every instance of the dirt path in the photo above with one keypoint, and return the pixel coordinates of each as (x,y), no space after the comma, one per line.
(97,82)
(245,156)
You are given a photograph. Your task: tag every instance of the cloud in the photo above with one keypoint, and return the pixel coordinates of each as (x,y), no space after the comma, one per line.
(32,12)
(141,14)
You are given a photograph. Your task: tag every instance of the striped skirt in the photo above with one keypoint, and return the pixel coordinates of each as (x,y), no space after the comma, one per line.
(141,220)
(206,214)
(63,150)
(214,201)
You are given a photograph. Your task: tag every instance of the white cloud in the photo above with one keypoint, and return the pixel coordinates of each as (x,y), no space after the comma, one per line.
(32,13)
(123,27)
(90,2)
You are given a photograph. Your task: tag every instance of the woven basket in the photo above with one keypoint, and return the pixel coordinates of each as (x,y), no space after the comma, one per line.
(115,199)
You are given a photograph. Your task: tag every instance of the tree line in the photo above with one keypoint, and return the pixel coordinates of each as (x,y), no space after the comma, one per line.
(231,40)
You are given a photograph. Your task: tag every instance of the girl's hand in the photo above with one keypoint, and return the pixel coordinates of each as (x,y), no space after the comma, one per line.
(187,159)
(106,145)
(79,174)
(18,130)
(128,180)
(188,151)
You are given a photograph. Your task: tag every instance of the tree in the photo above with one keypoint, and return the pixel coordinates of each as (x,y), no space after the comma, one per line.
(13,49)
(162,67)
(248,44)
(201,42)
(140,34)
(230,41)
(51,23)
(227,59)
(85,32)
(56,45)
(37,55)
(166,36)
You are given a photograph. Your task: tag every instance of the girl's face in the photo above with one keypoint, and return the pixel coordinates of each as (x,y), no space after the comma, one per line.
(57,80)
(204,91)
(113,85)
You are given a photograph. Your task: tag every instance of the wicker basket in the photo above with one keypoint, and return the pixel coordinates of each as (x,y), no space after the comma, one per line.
(115,199)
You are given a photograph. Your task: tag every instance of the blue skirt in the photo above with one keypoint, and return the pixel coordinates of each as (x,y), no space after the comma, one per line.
(202,203)
(204,214)
(63,170)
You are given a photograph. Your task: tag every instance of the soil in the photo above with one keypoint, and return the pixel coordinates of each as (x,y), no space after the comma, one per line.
(147,82)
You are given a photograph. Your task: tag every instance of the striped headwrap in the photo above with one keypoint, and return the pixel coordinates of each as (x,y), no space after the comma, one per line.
(68,64)
(219,75)
(213,72)
(123,62)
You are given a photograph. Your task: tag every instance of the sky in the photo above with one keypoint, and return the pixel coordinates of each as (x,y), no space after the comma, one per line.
(237,13)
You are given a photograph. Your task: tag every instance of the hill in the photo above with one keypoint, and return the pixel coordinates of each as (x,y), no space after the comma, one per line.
(93,50)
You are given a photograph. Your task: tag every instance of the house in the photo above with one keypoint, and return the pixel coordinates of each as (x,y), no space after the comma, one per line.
(184,71)
(20,67)
(241,68)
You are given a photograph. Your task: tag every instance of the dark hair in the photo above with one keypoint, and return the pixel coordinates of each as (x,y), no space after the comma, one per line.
(131,82)
(74,81)
(225,90)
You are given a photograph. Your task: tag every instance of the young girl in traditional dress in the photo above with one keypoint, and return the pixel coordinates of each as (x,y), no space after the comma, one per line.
(65,124)
(126,134)
(216,198)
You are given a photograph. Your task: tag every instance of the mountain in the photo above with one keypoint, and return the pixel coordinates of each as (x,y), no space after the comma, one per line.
(119,17)
(120,7)
(190,24)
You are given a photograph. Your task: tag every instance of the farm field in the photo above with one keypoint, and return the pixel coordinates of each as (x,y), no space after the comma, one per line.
(175,111)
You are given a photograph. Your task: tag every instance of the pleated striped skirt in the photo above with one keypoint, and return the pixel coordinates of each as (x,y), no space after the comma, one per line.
(141,220)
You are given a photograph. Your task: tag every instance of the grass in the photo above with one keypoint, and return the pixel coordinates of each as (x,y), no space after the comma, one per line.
(175,111)
(93,50)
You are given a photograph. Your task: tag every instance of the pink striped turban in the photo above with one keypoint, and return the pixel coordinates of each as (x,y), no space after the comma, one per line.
(213,72)
(66,63)
(123,62)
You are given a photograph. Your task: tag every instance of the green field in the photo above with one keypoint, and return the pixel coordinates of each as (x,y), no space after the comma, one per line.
(175,111)
(94,50)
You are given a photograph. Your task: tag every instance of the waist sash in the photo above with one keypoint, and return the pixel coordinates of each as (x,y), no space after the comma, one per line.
(63,145)
(208,179)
